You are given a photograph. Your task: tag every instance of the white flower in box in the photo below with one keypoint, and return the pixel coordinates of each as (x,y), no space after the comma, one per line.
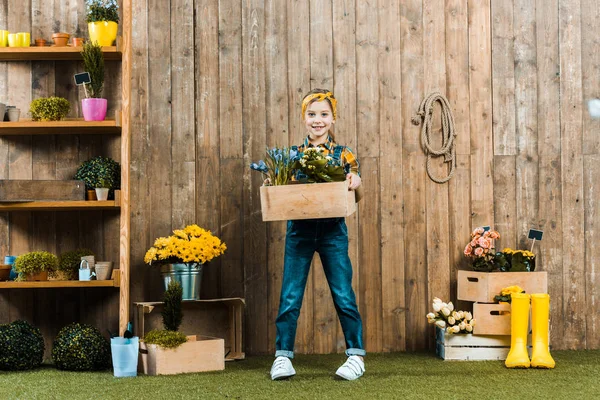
(441,324)
(445,311)
(450,306)
(451,320)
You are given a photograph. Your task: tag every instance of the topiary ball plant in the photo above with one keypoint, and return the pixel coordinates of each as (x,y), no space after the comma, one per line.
(21,346)
(35,262)
(69,261)
(80,347)
(100,170)
(49,108)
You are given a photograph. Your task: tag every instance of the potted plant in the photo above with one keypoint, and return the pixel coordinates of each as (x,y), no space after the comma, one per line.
(168,351)
(35,265)
(93,106)
(182,256)
(68,264)
(103,20)
(91,171)
(102,188)
(49,108)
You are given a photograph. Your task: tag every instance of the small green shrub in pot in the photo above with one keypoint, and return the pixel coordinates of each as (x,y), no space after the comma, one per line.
(49,108)
(69,261)
(80,347)
(164,338)
(21,346)
(100,170)
(35,262)
(172,317)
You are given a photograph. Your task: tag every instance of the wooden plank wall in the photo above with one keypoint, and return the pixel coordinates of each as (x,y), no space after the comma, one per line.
(222,79)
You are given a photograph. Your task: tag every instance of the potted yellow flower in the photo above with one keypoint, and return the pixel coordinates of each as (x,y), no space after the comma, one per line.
(182,255)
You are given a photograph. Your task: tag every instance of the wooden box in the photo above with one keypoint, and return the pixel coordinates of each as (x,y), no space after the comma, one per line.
(307,201)
(219,318)
(41,190)
(198,354)
(483,286)
(491,319)
(468,347)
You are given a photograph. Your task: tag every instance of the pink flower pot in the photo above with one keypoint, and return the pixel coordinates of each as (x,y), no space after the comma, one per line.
(94,109)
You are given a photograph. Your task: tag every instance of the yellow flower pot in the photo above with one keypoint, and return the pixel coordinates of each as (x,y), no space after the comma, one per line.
(103,32)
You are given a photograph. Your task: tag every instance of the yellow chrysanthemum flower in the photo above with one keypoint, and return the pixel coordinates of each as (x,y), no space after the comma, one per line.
(507,291)
(150,255)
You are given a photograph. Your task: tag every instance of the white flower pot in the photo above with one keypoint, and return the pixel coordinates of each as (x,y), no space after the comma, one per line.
(102,194)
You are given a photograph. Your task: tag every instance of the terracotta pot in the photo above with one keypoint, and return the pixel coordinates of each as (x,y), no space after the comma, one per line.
(77,42)
(40,276)
(5,272)
(40,42)
(91,195)
(60,39)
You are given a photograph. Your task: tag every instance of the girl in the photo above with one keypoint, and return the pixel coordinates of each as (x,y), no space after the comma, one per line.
(328,237)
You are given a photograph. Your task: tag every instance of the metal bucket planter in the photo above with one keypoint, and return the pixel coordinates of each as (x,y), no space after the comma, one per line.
(188,275)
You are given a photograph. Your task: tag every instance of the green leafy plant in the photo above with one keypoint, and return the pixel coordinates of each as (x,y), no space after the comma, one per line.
(172,314)
(69,261)
(35,262)
(102,10)
(49,108)
(98,168)
(165,338)
(80,347)
(93,62)
(21,346)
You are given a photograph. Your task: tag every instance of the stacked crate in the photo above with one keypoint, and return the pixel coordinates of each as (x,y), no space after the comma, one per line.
(491,334)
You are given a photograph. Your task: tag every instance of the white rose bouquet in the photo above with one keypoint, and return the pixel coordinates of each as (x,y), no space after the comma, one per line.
(444,316)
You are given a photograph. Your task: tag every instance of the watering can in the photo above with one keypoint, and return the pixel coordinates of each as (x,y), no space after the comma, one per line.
(85,274)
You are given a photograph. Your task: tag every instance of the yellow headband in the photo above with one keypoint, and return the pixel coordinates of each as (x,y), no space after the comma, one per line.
(320,97)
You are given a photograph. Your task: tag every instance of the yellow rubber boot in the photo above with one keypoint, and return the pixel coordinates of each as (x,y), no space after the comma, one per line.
(540,313)
(518,357)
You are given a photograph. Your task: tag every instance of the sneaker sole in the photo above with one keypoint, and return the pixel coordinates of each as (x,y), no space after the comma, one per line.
(282,377)
(342,377)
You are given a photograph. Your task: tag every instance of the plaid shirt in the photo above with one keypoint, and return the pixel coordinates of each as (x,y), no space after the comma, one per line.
(348,158)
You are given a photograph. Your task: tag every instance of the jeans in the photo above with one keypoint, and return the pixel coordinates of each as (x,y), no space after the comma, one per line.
(328,237)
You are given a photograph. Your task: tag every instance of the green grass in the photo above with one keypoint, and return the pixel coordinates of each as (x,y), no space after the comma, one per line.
(388,376)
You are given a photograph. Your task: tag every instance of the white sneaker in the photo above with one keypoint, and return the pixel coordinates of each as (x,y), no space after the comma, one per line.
(282,368)
(352,369)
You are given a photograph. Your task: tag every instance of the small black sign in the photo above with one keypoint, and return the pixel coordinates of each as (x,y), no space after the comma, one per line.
(486,228)
(535,234)
(82,78)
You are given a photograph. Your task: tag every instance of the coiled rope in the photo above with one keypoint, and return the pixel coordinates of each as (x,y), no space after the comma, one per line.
(425,116)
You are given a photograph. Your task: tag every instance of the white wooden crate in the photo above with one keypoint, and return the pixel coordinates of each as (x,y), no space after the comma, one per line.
(468,347)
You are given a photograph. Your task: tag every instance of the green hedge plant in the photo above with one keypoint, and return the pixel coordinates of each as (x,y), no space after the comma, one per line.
(49,108)
(68,262)
(102,10)
(21,346)
(172,314)
(80,347)
(35,262)
(100,170)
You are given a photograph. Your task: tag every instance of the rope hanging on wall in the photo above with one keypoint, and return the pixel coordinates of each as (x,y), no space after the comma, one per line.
(448,150)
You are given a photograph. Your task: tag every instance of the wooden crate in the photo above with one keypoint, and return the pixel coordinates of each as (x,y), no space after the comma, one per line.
(198,354)
(466,347)
(483,286)
(41,190)
(307,201)
(220,318)
(491,319)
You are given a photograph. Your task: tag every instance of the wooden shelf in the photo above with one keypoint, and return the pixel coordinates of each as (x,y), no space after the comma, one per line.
(67,127)
(114,282)
(60,205)
(50,53)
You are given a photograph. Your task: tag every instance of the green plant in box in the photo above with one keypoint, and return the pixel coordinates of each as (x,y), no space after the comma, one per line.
(49,108)
(21,346)
(93,62)
(99,170)
(69,261)
(35,262)
(172,317)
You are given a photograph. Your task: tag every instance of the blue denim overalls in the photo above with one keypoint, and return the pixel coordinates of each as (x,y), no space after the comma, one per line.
(328,237)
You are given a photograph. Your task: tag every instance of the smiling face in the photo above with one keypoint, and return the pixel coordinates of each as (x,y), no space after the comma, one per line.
(318,120)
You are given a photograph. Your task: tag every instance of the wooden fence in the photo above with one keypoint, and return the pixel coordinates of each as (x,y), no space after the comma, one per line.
(216,81)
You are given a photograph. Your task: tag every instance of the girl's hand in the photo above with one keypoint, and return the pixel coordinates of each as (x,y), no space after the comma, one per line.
(355,180)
